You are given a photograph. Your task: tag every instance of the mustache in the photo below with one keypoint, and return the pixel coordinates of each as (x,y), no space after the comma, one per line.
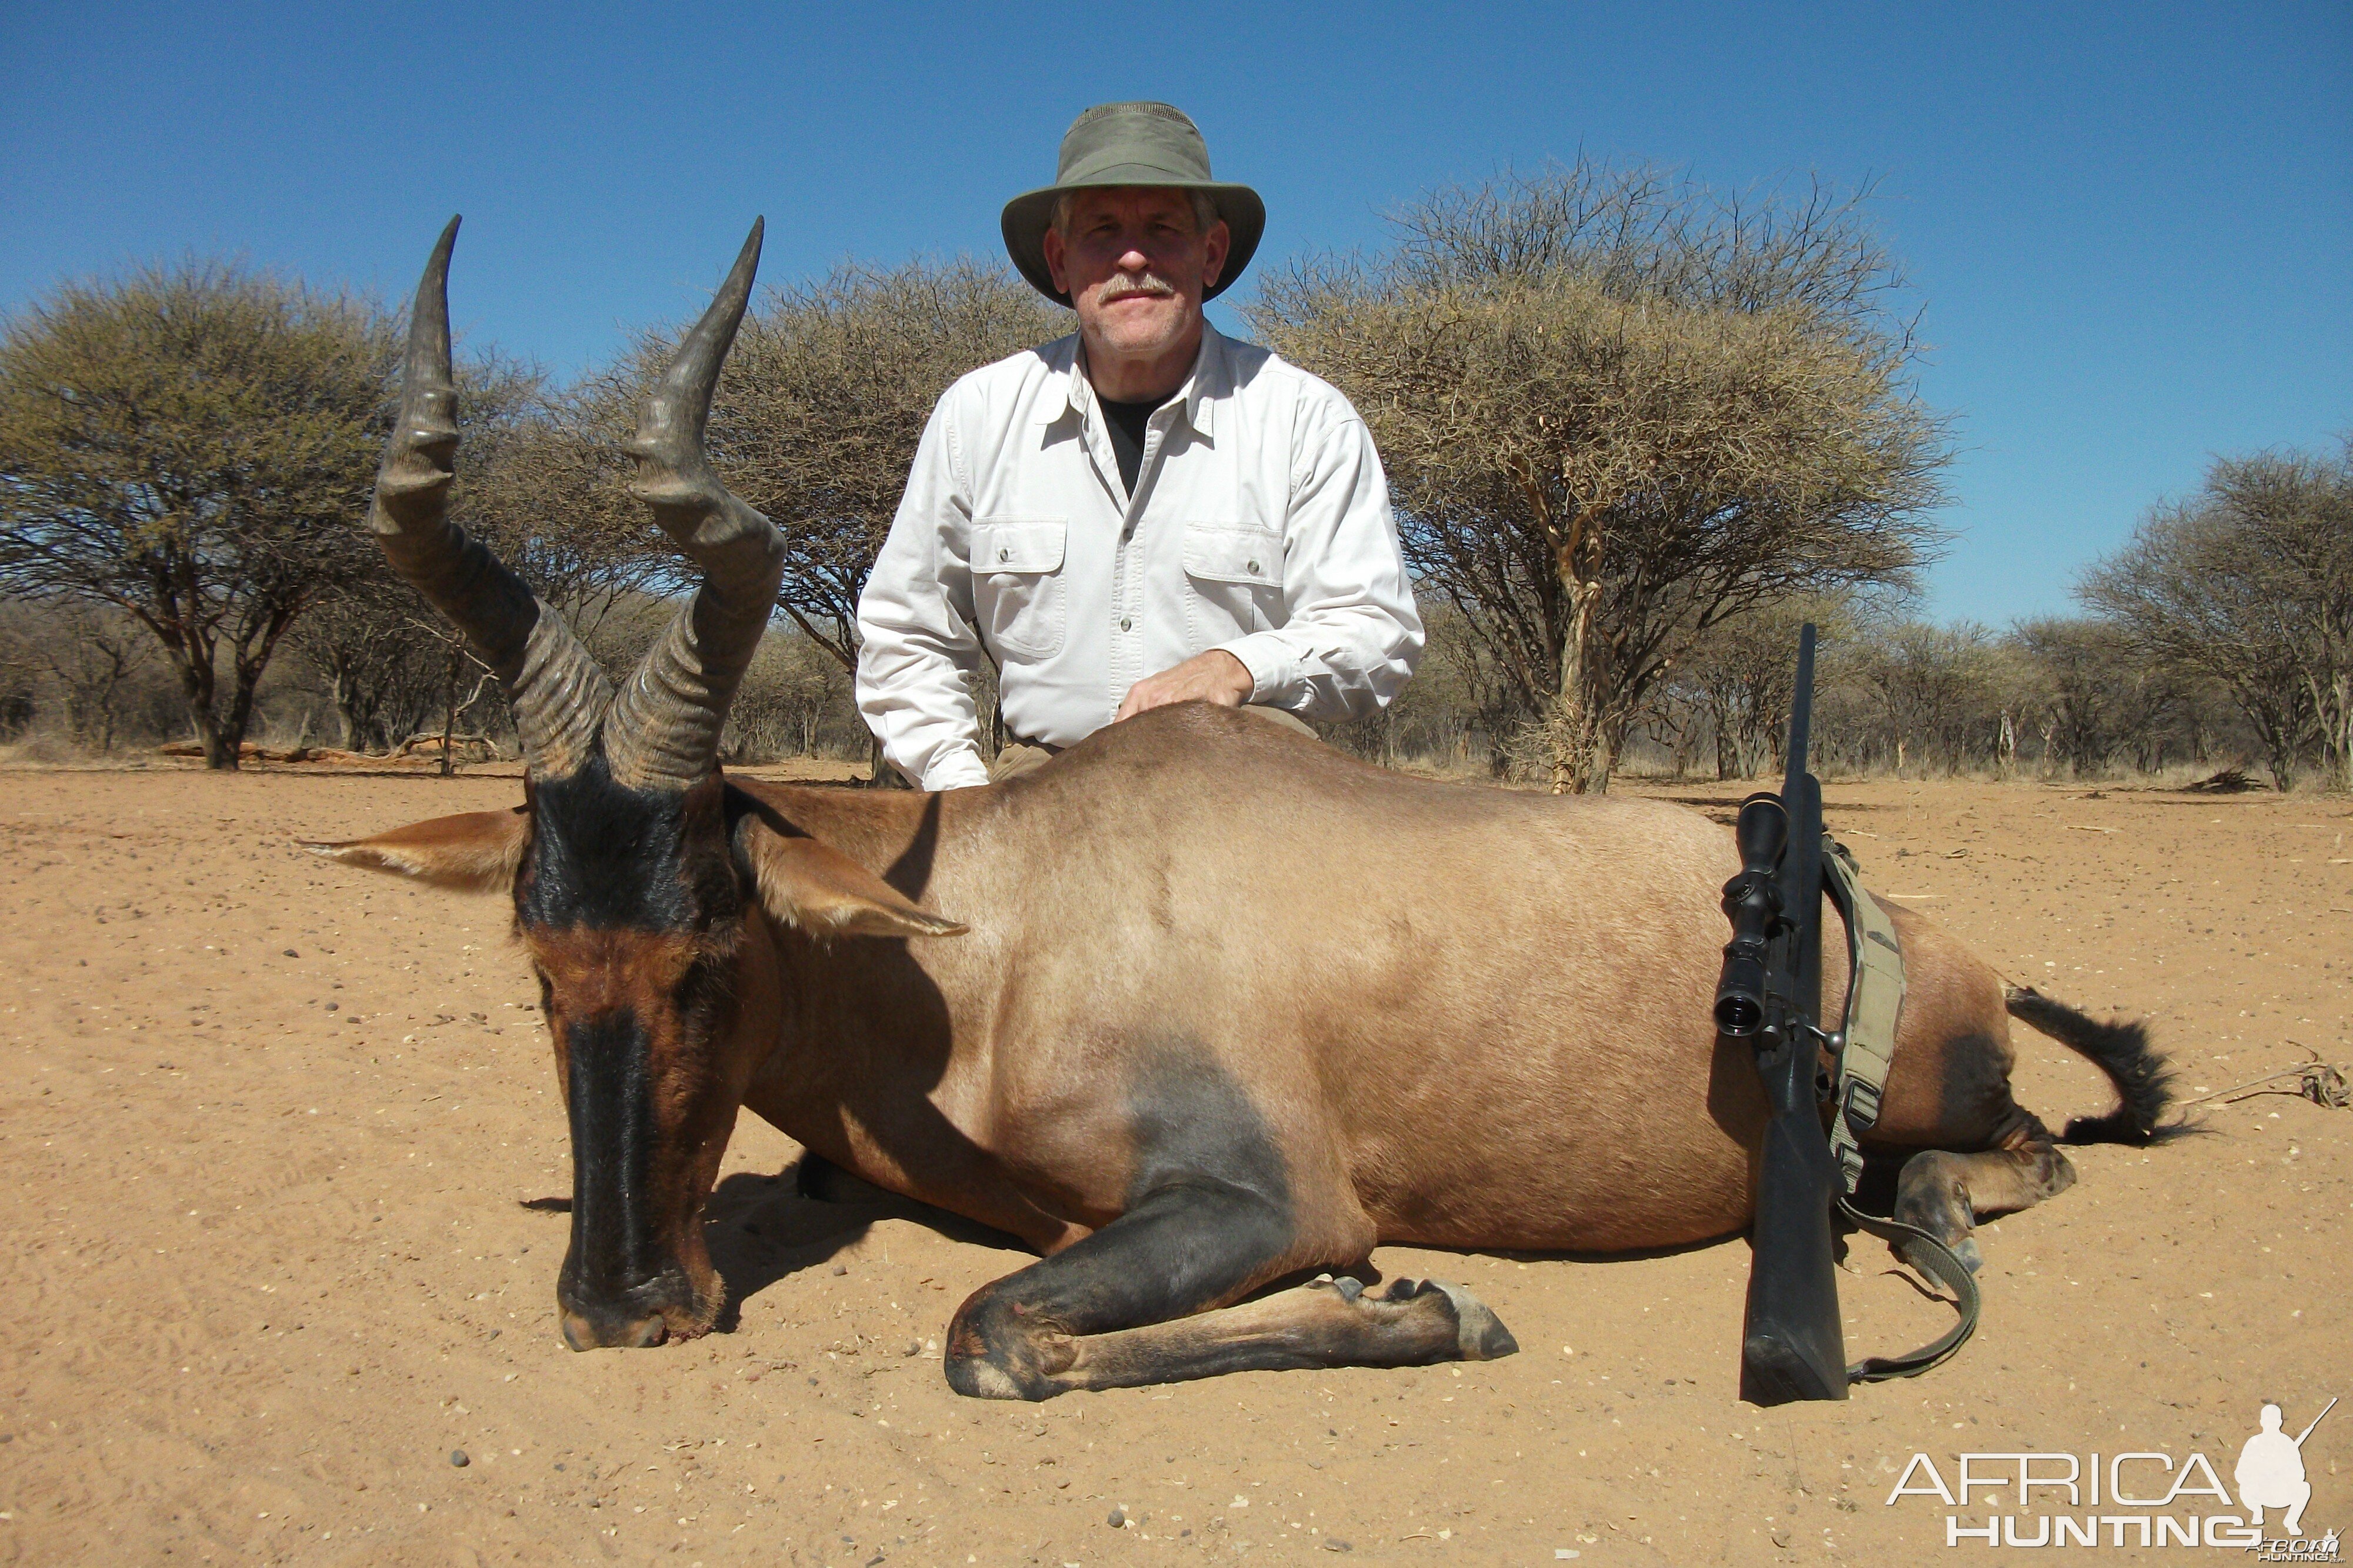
(1143,286)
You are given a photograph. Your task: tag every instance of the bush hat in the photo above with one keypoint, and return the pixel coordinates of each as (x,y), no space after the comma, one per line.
(1131,144)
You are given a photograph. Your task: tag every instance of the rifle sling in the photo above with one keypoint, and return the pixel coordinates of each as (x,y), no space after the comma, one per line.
(1934,1259)
(1874,998)
(1867,1046)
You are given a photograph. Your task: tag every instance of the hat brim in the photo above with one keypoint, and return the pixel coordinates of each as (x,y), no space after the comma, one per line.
(1028,215)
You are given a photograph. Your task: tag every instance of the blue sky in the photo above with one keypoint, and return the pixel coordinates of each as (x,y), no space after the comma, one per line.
(2129,228)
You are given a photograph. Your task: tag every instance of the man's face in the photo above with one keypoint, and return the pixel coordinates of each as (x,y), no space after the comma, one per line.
(1137,265)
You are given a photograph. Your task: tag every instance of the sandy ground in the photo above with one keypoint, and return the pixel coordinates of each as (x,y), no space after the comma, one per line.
(279,1139)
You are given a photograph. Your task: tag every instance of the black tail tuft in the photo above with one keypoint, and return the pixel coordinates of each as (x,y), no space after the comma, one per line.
(2119,1048)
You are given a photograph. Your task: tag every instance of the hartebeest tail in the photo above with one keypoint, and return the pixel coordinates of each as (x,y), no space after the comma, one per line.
(2119,1048)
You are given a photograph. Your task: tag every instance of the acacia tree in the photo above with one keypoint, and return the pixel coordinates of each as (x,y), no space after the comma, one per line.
(90,653)
(1934,688)
(189,444)
(2099,694)
(544,481)
(20,670)
(1617,411)
(369,649)
(2250,582)
(792,688)
(1738,679)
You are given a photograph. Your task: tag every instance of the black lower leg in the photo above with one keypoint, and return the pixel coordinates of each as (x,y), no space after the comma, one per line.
(1186,1247)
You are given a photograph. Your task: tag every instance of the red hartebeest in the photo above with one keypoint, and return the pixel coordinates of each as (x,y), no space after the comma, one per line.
(1198,1007)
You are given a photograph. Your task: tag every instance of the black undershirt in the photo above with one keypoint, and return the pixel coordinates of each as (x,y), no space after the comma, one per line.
(1125,422)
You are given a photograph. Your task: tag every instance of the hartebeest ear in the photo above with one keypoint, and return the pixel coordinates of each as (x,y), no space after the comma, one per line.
(476,852)
(816,886)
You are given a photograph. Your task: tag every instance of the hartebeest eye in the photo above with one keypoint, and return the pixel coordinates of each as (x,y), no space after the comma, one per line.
(703,986)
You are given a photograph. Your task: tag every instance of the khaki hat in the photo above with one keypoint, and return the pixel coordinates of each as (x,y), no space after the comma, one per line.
(1131,144)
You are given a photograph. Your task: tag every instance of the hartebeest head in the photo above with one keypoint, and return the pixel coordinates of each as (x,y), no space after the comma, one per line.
(644,887)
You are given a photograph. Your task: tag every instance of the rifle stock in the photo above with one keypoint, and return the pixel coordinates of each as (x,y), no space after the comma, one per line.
(1792,1344)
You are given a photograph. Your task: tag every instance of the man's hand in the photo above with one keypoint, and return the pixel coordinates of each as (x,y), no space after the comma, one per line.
(1216,676)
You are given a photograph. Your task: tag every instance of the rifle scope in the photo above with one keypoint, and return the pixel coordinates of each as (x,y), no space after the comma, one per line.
(1753,902)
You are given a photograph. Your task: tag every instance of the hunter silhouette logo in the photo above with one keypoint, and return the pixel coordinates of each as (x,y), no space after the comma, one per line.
(2270,1470)
(2140,1497)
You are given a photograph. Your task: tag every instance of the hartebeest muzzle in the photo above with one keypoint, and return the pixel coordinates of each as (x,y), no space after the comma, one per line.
(622,1280)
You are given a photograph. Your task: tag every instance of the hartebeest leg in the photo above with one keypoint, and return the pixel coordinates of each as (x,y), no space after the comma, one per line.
(1099,1314)
(1329,1323)
(1946,1193)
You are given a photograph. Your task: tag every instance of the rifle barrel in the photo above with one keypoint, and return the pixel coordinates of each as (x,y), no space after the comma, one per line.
(1801,714)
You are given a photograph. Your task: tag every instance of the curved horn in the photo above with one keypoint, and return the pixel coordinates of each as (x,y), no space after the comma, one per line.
(557,691)
(664,728)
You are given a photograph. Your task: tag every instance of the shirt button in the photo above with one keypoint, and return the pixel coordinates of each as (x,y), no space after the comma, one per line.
(1126,623)
(1008,555)
(1252,566)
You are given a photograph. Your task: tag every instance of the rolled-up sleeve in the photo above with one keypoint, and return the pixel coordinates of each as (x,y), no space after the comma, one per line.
(1351,636)
(917,645)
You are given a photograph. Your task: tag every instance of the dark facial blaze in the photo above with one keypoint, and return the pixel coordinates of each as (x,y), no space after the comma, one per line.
(629,905)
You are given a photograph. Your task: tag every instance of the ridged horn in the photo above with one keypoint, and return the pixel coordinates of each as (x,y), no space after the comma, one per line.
(663,733)
(557,692)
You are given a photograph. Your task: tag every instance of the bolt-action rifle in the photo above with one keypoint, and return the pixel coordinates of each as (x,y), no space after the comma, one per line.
(1770,995)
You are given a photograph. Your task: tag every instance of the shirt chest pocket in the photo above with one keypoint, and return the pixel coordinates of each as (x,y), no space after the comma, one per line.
(1233,572)
(1018,593)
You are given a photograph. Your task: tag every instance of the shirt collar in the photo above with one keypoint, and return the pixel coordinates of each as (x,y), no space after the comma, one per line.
(1212,379)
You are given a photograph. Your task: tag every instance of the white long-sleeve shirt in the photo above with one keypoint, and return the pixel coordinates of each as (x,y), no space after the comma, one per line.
(1260,524)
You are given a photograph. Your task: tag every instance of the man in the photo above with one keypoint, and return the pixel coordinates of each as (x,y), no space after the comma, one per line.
(1142,513)
(2271,1471)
